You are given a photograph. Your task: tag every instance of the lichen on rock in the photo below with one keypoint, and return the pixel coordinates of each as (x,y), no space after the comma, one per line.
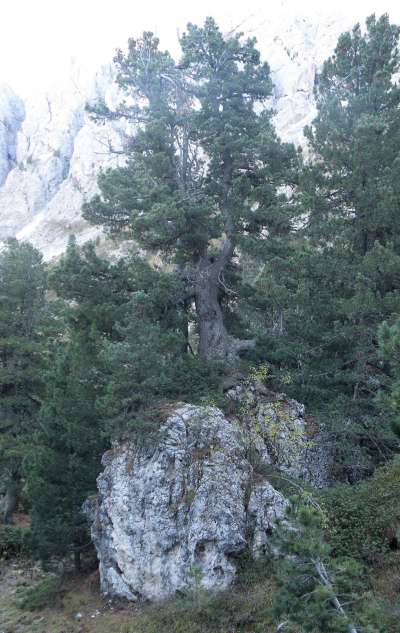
(282,435)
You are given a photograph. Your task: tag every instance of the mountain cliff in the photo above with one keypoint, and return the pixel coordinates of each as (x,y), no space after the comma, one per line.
(51,153)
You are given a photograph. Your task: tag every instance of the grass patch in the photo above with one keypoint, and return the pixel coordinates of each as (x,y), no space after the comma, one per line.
(44,594)
(243,608)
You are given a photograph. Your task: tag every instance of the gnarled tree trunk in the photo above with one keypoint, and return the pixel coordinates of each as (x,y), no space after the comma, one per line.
(212,332)
(215,343)
(10,501)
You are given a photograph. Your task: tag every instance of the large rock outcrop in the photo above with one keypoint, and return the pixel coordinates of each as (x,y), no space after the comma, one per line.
(177,512)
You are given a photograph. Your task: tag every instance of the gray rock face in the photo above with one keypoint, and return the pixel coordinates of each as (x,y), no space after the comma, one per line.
(178,515)
(283,436)
(50,159)
(58,153)
(12,113)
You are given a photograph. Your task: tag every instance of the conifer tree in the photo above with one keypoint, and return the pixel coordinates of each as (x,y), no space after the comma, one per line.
(138,313)
(204,170)
(22,313)
(66,452)
(351,194)
(314,591)
(64,461)
(93,291)
(389,396)
(351,187)
(327,295)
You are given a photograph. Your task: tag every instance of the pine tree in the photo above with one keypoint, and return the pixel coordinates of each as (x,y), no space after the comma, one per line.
(351,194)
(389,396)
(351,186)
(66,452)
(139,315)
(326,296)
(314,591)
(22,314)
(64,459)
(93,291)
(204,171)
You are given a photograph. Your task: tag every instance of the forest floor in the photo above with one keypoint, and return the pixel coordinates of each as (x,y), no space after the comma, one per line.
(79,607)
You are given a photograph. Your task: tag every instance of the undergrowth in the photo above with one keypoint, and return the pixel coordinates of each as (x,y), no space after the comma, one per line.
(13,541)
(242,608)
(364,519)
(45,593)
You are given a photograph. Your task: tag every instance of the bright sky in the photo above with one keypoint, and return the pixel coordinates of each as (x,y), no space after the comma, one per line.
(38,38)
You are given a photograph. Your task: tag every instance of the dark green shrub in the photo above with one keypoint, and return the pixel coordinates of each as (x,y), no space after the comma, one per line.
(13,541)
(364,520)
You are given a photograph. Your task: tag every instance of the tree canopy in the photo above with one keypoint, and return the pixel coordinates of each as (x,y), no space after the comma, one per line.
(205,170)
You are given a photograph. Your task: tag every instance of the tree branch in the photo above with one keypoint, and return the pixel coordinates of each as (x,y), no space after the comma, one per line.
(324,578)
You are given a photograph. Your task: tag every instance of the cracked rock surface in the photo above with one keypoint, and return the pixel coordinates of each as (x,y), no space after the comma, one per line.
(177,513)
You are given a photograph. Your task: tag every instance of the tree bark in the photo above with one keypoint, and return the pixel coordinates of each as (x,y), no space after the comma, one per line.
(77,562)
(214,341)
(10,502)
(325,580)
(213,337)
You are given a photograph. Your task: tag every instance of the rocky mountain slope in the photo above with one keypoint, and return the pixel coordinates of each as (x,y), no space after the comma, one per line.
(51,153)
